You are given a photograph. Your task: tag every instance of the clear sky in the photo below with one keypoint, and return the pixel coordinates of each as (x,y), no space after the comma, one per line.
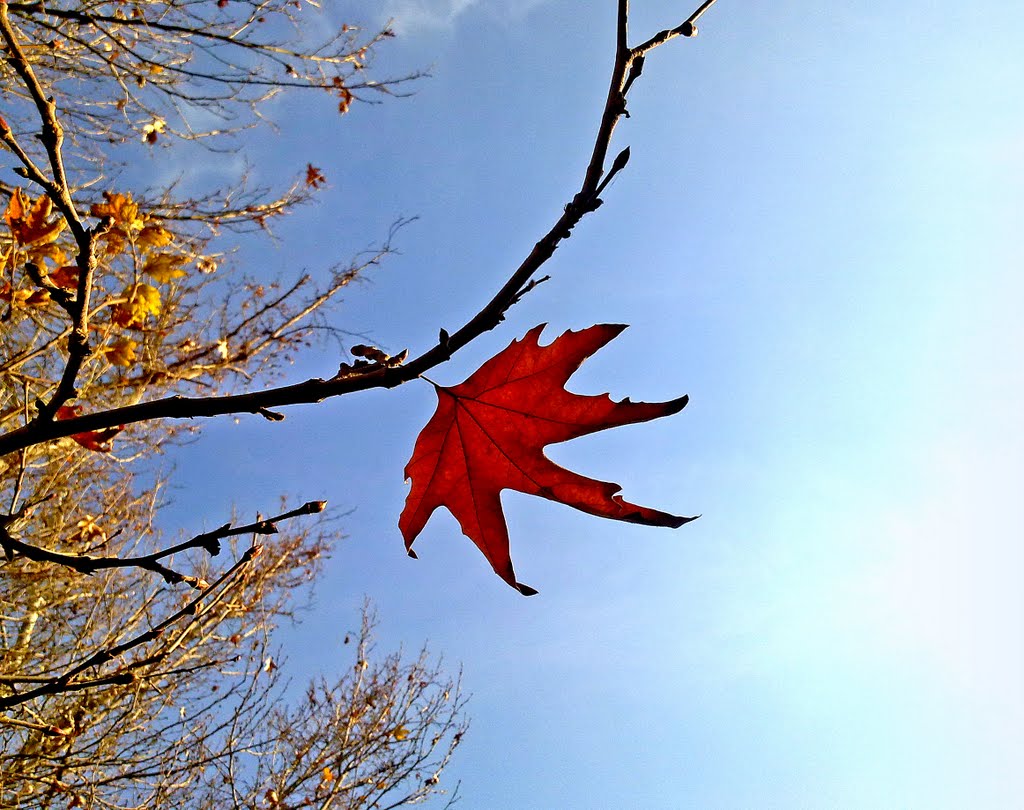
(819,239)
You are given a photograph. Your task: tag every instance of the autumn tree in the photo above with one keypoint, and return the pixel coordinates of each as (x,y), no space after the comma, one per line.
(137,669)
(136,672)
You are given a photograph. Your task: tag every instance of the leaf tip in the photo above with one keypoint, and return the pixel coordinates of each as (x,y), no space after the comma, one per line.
(526,590)
(676,405)
(412,553)
(533,336)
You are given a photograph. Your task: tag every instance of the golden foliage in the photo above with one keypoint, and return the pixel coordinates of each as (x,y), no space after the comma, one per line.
(138,301)
(86,530)
(49,251)
(154,235)
(24,297)
(121,209)
(100,737)
(164,267)
(121,352)
(31,225)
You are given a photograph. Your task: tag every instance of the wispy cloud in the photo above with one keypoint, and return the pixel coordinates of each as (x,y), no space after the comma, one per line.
(411,16)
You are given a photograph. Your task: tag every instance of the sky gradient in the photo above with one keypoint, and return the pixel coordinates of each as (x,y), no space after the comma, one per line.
(818,239)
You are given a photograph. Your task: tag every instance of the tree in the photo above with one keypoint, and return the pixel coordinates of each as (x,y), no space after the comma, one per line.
(137,672)
(120,689)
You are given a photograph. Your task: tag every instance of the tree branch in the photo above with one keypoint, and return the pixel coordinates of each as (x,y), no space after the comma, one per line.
(688,28)
(627,64)
(209,541)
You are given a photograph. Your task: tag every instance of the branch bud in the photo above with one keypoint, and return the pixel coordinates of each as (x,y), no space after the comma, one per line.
(621,160)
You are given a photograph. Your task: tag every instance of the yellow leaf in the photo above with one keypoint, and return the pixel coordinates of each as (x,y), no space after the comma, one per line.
(147,299)
(327,775)
(165,266)
(121,352)
(87,529)
(15,208)
(400,733)
(113,241)
(40,252)
(26,296)
(32,227)
(139,301)
(154,236)
(121,209)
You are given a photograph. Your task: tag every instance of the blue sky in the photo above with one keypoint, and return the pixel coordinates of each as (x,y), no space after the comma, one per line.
(818,239)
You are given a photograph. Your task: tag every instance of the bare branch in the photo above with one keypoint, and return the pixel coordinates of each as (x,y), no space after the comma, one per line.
(688,28)
(209,541)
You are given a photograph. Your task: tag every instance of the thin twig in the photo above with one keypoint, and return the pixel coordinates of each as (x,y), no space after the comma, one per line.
(44,728)
(688,28)
(22,460)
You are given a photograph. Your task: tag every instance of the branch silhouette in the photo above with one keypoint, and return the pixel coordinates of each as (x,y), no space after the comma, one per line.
(627,68)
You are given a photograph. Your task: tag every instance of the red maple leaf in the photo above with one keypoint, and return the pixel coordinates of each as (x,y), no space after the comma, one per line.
(489,434)
(100,441)
(314,177)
